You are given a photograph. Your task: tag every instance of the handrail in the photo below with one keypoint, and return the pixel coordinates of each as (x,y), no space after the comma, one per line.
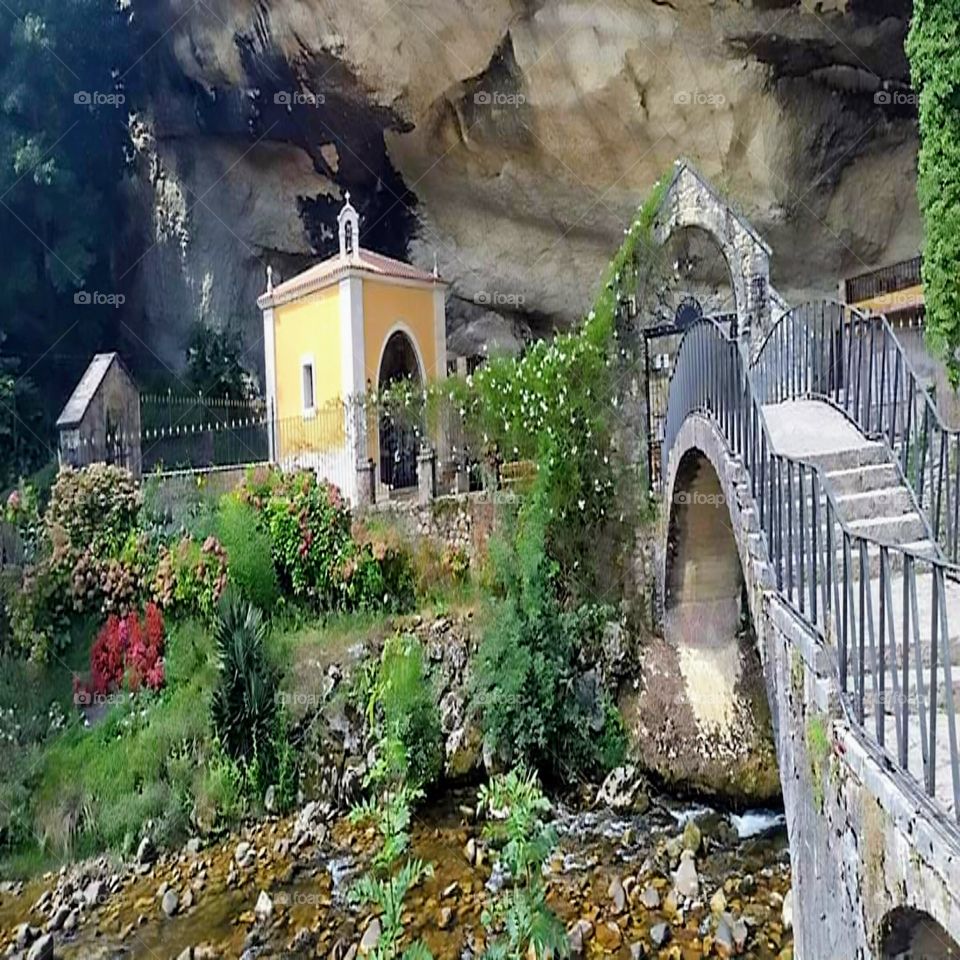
(855,361)
(837,581)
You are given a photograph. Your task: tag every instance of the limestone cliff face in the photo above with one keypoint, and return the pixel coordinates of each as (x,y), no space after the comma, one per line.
(511,139)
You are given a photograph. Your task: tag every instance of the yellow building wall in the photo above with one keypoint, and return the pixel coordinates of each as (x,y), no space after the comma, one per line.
(310,326)
(385,305)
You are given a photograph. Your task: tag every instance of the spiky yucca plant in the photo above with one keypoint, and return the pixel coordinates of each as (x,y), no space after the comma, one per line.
(244,707)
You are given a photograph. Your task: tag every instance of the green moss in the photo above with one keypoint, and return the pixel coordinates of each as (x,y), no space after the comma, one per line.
(819,753)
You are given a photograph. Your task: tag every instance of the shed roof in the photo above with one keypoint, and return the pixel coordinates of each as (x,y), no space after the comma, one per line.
(87,388)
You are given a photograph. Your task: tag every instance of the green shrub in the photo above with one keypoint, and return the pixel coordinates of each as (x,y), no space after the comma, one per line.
(520,922)
(244,705)
(190,578)
(526,668)
(398,698)
(249,553)
(96,507)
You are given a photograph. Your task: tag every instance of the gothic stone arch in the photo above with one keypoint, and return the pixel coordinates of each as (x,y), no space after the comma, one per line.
(690,201)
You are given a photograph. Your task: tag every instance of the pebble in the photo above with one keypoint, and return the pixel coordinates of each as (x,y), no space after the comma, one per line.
(170,903)
(263,910)
(617,895)
(659,934)
(650,898)
(370,938)
(42,948)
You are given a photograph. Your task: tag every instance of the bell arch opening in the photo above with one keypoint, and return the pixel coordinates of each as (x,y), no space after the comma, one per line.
(908,934)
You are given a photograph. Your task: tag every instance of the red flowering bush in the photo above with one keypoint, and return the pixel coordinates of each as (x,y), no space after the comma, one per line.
(128,652)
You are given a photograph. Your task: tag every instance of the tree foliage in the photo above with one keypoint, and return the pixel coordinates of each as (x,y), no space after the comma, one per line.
(933,47)
(63,136)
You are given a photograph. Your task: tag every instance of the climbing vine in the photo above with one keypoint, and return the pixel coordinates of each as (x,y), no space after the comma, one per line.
(933,46)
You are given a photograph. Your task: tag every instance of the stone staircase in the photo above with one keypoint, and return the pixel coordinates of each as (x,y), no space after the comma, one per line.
(876,505)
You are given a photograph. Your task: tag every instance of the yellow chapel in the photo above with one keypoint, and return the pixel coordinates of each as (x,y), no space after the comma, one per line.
(337,332)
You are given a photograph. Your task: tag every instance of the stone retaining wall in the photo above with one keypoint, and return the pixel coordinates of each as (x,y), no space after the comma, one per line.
(461,521)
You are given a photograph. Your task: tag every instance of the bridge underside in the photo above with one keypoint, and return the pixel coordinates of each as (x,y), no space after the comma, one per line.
(866,854)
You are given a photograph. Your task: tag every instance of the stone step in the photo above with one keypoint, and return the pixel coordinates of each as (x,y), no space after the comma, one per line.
(925,548)
(881,502)
(893,530)
(861,479)
(867,455)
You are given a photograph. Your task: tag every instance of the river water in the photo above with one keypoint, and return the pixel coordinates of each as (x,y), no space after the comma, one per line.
(745,856)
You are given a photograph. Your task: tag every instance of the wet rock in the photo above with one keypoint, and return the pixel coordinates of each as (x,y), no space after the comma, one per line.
(146,852)
(193,846)
(723,939)
(42,948)
(370,938)
(609,937)
(470,851)
(637,951)
(244,855)
(718,903)
(263,910)
(186,954)
(270,799)
(445,920)
(786,915)
(578,936)
(25,935)
(58,919)
(617,895)
(623,790)
(170,903)
(685,880)
(650,898)
(659,934)
(72,921)
(93,893)
(186,901)
(692,838)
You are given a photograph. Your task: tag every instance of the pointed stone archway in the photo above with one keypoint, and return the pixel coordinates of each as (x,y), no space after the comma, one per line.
(691,202)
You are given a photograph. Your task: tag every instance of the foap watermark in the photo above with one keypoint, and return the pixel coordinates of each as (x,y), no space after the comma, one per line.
(295,698)
(700,499)
(97,98)
(95,298)
(298,98)
(495,298)
(896,98)
(87,698)
(497,98)
(699,98)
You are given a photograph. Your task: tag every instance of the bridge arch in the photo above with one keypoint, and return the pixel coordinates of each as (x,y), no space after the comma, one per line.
(721,716)
(690,202)
(909,934)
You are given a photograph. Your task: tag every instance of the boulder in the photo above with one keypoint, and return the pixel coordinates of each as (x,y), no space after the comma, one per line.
(786,915)
(263,910)
(370,938)
(146,852)
(659,934)
(623,790)
(617,895)
(685,880)
(170,903)
(42,948)
(93,893)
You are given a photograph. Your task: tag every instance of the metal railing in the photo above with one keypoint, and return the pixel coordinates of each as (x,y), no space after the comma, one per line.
(864,600)
(833,352)
(889,279)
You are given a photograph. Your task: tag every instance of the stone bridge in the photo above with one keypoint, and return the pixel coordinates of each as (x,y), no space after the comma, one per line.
(811,489)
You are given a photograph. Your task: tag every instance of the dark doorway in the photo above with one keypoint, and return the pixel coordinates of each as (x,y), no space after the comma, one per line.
(399,433)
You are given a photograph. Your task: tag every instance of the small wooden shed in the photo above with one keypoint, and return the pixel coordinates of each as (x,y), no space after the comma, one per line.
(101,421)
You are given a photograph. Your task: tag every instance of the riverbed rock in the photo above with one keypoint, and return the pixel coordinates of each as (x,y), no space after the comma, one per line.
(786,915)
(170,903)
(617,895)
(609,937)
(650,898)
(624,790)
(42,948)
(723,943)
(692,837)
(263,910)
(146,851)
(25,935)
(685,880)
(718,903)
(659,934)
(370,938)
(93,893)
(577,937)
(58,919)
(244,855)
